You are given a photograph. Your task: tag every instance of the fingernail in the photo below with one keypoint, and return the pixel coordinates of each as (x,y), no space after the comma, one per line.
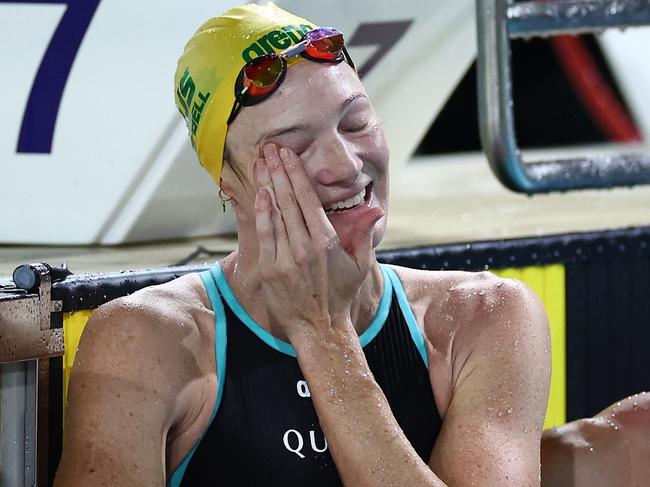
(271,155)
(258,170)
(286,158)
(262,199)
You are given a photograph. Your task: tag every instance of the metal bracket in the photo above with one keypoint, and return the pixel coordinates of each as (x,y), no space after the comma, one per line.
(26,341)
(497,22)
(25,332)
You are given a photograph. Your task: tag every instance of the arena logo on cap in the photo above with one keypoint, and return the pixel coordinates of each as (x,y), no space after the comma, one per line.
(276,39)
(191,112)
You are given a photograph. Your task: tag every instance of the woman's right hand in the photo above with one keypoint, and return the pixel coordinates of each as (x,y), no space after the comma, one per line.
(309,280)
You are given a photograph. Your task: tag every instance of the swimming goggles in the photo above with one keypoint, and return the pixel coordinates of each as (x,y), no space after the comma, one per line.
(259,78)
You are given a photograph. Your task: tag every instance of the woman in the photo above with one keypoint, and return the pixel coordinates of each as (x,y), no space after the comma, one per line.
(298,359)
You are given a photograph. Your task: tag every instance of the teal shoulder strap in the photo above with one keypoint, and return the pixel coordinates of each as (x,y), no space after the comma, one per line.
(209,281)
(407,312)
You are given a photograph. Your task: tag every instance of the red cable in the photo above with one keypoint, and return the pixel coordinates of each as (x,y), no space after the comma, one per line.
(596,96)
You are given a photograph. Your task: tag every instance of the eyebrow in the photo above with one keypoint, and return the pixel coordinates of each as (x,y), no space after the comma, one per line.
(298,127)
(348,101)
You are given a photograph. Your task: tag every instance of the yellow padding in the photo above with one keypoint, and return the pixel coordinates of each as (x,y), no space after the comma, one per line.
(73,325)
(549,283)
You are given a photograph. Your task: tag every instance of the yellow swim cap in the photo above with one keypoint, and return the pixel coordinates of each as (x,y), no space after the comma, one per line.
(204,84)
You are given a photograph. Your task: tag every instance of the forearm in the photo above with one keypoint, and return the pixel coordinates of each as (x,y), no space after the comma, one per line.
(366,442)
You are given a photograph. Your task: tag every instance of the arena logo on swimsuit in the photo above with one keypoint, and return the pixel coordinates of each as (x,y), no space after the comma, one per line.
(278,39)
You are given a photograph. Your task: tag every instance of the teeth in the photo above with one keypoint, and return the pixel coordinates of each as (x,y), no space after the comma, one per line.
(349,203)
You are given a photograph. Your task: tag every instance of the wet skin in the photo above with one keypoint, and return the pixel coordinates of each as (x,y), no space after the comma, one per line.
(609,450)
(151,355)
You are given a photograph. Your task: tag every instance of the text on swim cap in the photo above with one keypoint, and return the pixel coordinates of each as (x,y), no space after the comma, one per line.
(191,112)
(276,39)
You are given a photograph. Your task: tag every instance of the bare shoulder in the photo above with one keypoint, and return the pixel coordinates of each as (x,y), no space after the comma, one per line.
(489,363)
(170,301)
(468,318)
(148,334)
(150,317)
(140,362)
(453,301)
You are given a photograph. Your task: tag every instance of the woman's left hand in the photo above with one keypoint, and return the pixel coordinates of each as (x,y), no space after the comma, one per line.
(309,280)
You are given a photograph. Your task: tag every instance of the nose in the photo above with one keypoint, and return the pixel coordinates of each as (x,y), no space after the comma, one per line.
(337,163)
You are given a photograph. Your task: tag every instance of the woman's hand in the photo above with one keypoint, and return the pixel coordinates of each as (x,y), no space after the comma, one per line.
(309,280)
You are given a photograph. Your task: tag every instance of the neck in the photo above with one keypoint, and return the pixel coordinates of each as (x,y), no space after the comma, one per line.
(241,270)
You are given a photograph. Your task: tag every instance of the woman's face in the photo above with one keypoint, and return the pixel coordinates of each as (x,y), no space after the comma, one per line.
(322,112)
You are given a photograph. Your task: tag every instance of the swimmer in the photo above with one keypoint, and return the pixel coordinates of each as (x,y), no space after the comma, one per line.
(299,360)
(609,450)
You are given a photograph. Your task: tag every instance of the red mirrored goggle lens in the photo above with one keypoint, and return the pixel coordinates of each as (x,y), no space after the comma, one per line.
(324,43)
(262,74)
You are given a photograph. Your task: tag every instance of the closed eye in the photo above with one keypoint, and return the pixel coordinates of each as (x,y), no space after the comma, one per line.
(298,141)
(354,124)
(300,150)
(357,128)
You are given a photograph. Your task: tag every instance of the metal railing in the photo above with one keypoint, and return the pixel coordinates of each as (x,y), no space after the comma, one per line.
(31,316)
(498,21)
(27,341)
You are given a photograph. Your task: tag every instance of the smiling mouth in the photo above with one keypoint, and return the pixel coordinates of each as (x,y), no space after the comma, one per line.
(350,203)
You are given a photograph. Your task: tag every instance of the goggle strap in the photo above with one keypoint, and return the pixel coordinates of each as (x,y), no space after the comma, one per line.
(348,59)
(295,50)
(233,113)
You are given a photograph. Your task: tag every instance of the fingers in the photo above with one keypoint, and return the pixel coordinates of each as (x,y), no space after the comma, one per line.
(364,230)
(297,233)
(264,225)
(263,178)
(281,244)
(311,208)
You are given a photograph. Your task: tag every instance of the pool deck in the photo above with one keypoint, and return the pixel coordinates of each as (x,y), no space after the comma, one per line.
(452,199)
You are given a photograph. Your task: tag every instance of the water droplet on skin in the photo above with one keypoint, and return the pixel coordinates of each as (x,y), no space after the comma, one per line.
(509,411)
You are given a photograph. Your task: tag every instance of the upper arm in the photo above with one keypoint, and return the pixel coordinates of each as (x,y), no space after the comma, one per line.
(492,427)
(128,371)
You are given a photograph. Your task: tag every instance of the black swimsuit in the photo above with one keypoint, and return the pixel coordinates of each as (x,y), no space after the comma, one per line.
(264,430)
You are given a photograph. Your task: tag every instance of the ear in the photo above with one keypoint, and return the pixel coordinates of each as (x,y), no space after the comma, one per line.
(225,189)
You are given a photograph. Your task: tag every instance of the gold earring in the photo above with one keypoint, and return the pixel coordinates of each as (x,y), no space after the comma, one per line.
(223,200)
